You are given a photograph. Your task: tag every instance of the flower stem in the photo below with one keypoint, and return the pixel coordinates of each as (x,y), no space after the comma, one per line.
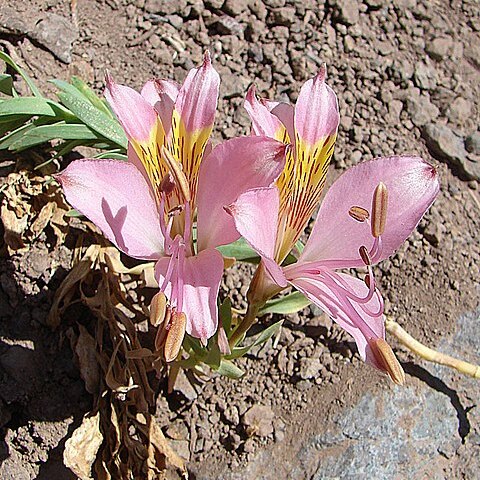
(247,321)
(429,354)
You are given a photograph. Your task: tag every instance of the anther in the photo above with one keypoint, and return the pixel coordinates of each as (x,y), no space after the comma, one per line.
(177,173)
(379,209)
(167,184)
(367,280)
(359,214)
(158,308)
(364,255)
(387,360)
(175,336)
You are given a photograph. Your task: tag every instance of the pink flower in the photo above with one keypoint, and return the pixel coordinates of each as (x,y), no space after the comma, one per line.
(365,216)
(147,206)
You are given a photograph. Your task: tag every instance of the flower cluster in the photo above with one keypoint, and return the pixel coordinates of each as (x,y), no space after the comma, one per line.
(178,198)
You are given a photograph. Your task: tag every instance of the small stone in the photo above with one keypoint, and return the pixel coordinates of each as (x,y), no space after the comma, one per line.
(425,76)
(421,110)
(347,12)
(309,368)
(183,386)
(227,25)
(258,420)
(57,34)
(459,110)
(181,447)
(282,16)
(439,47)
(472,143)
(165,7)
(446,145)
(235,7)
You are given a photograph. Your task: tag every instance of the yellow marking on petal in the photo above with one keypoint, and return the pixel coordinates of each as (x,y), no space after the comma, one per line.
(300,185)
(188,149)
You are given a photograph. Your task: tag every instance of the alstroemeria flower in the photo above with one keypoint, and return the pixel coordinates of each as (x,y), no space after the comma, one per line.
(364,218)
(147,206)
(311,128)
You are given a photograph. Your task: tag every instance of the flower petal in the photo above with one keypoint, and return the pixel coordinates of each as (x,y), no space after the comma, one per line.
(196,102)
(115,196)
(362,326)
(136,115)
(412,186)
(263,121)
(202,274)
(256,214)
(167,91)
(149,93)
(232,168)
(316,111)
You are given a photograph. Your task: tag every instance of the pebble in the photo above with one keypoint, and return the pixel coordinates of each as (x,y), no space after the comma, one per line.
(472,143)
(421,110)
(258,420)
(425,76)
(347,12)
(445,145)
(439,47)
(309,368)
(460,110)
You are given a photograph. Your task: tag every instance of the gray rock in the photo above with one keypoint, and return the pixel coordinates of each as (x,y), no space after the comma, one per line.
(13,22)
(425,76)
(258,420)
(447,146)
(284,16)
(439,47)
(57,34)
(347,12)
(309,368)
(165,7)
(459,110)
(235,7)
(421,110)
(183,386)
(472,143)
(227,25)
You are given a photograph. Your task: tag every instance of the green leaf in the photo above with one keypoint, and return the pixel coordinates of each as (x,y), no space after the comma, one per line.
(115,154)
(229,369)
(291,303)
(225,313)
(291,258)
(9,61)
(6,84)
(262,338)
(91,96)
(239,250)
(74,213)
(45,133)
(11,123)
(27,106)
(96,119)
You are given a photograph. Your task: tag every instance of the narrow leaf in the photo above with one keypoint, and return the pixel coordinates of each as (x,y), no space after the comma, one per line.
(31,85)
(239,250)
(262,338)
(229,369)
(96,119)
(91,96)
(27,106)
(6,84)
(286,305)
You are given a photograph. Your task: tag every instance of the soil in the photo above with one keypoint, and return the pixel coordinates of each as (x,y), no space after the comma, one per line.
(396,68)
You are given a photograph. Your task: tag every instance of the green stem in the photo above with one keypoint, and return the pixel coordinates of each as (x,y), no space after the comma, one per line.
(247,321)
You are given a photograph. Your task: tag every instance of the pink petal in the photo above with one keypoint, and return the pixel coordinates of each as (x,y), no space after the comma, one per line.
(196,102)
(115,196)
(256,215)
(232,168)
(167,91)
(137,116)
(412,186)
(316,110)
(285,113)
(342,310)
(263,121)
(202,274)
(149,93)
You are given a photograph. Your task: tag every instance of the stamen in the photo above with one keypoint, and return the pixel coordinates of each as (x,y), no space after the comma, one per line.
(158,308)
(167,184)
(379,209)
(177,172)
(175,336)
(163,330)
(173,212)
(364,255)
(359,214)
(387,360)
